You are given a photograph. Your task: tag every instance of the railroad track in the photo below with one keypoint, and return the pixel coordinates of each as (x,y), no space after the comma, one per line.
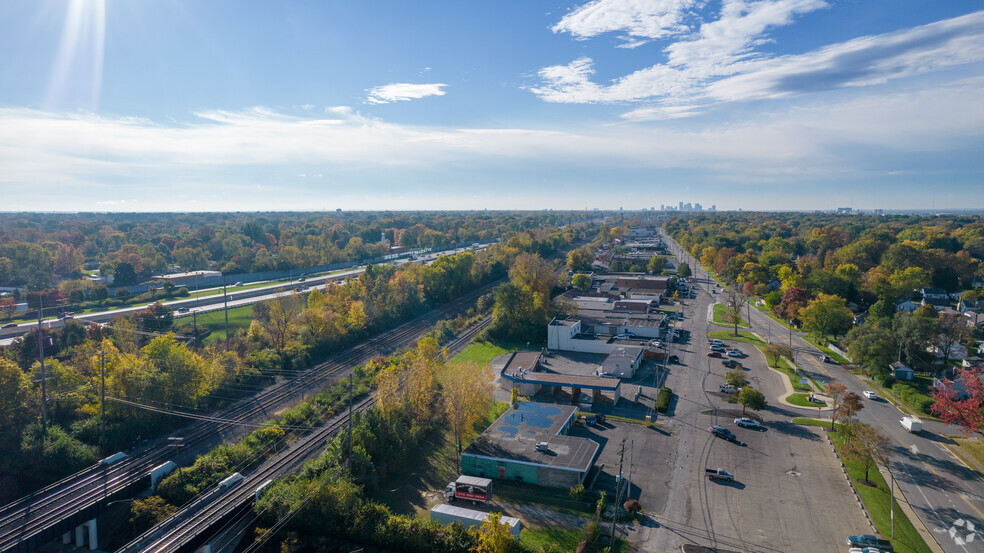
(206,511)
(34,519)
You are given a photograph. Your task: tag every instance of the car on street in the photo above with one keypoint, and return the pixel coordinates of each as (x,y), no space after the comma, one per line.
(870,395)
(182,310)
(731,363)
(714,354)
(9,325)
(735,353)
(717,347)
(722,432)
(746,422)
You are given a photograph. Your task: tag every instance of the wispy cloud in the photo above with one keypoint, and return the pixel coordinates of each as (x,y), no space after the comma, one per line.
(47,156)
(641,20)
(401,92)
(721,61)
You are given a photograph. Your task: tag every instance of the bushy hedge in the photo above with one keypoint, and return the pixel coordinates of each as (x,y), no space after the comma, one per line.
(884,379)
(663,399)
(912,397)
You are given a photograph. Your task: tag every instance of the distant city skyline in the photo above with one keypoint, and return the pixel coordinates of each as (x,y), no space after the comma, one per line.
(770,105)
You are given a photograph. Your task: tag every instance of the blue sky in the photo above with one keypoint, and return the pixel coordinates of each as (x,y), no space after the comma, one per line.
(157,105)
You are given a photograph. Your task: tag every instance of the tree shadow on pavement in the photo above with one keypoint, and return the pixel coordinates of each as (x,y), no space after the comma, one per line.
(795,430)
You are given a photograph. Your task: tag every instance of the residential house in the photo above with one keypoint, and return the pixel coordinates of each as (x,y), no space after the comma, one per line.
(906,305)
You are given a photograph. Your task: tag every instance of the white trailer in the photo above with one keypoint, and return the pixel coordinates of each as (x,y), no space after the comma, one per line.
(160,472)
(446,514)
(230,481)
(116,457)
(912,424)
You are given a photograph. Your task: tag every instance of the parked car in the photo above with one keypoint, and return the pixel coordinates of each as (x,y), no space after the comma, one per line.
(719,474)
(715,342)
(657,344)
(673,359)
(728,389)
(746,422)
(623,336)
(722,432)
(714,354)
(870,395)
(731,363)
(717,347)
(735,353)
(868,540)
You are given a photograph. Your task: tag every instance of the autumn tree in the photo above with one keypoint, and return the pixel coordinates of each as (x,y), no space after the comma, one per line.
(866,445)
(750,398)
(580,281)
(278,318)
(872,346)
(793,300)
(774,352)
(15,388)
(683,271)
(493,536)
(579,259)
(849,406)
(836,392)
(736,378)
(734,302)
(826,315)
(656,264)
(7,307)
(466,389)
(963,407)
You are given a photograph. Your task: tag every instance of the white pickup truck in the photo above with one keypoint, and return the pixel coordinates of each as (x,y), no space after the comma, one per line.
(719,474)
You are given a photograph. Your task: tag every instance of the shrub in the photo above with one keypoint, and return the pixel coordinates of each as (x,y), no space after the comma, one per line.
(912,397)
(884,379)
(663,399)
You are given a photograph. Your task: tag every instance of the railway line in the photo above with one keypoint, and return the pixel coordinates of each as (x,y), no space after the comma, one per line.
(43,516)
(188,524)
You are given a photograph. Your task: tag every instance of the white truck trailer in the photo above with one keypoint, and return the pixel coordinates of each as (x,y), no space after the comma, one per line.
(446,514)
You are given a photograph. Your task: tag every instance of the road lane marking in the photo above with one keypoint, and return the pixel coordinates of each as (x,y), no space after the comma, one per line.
(958,492)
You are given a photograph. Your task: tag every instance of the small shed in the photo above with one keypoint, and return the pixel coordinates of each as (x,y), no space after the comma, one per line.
(901,372)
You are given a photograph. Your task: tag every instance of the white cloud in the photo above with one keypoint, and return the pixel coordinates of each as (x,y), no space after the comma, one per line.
(397,92)
(49,157)
(649,19)
(721,62)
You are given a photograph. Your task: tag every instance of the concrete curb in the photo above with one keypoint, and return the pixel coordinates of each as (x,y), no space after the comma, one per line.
(857,496)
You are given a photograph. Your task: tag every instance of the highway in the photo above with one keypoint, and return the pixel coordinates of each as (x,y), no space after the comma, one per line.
(944,493)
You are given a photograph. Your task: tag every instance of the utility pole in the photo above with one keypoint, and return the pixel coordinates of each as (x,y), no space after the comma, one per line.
(44,384)
(102,397)
(791,354)
(225,303)
(618,494)
(194,321)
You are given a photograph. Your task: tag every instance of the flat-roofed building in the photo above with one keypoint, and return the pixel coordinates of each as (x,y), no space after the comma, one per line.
(529,443)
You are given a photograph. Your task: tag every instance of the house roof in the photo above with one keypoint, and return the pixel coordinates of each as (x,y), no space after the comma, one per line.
(899,365)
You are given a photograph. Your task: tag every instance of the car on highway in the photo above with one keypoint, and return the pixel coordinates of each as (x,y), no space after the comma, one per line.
(182,310)
(735,353)
(717,347)
(746,422)
(715,354)
(238,283)
(722,432)
(731,363)
(9,325)
(870,395)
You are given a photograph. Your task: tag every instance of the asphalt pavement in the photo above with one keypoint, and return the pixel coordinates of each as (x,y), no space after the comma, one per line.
(944,493)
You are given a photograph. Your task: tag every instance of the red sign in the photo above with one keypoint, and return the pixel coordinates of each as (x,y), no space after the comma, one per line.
(461,494)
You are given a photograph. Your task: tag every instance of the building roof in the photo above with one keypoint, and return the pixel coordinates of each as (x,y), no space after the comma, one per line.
(633,306)
(470,514)
(571,380)
(522,360)
(514,435)
(618,361)
(898,365)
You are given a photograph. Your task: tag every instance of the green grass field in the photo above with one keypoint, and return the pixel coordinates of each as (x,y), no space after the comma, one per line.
(800,400)
(720,316)
(564,540)
(214,321)
(484,352)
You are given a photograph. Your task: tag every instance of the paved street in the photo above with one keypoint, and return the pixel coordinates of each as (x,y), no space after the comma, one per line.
(790,489)
(946,495)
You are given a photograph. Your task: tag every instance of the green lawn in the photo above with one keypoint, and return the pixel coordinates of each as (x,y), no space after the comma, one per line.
(800,399)
(483,353)
(814,422)
(566,540)
(877,499)
(749,339)
(721,314)
(214,321)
